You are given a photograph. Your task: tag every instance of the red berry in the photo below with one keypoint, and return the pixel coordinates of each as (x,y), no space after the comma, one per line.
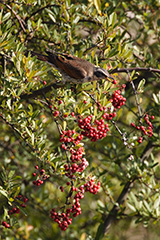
(60,102)
(61,188)
(114,81)
(42,171)
(56,113)
(132,124)
(25,199)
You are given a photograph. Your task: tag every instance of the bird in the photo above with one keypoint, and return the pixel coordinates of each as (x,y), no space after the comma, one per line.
(74,69)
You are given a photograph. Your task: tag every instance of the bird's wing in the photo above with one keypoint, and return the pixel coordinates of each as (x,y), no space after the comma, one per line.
(68,63)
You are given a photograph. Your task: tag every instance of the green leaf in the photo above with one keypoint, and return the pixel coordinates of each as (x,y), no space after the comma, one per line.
(29,133)
(141,84)
(112,19)
(66,14)
(147,206)
(6,17)
(97,4)
(132,74)
(46,30)
(156,98)
(158,22)
(32,138)
(100,203)
(131,207)
(76,19)
(113,52)
(3,192)
(157,203)
(100,233)
(39,23)
(11,174)
(52,17)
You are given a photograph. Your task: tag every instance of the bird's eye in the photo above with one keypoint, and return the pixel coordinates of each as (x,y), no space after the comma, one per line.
(98,74)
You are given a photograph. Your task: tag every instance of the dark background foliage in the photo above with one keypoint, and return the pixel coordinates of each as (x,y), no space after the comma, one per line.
(118,35)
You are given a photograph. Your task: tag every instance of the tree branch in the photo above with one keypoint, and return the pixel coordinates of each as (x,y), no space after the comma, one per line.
(21,21)
(126,189)
(40,10)
(113,213)
(41,91)
(59,85)
(138,69)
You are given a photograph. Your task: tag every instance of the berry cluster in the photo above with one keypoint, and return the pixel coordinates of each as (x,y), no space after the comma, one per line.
(71,137)
(91,187)
(76,162)
(148,131)
(41,176)
(64,219)
(98,129)
(70,140)
(5,224)
(93,133)
(109,116)
(14,210)
(75,168)
(117,99)
(21,200)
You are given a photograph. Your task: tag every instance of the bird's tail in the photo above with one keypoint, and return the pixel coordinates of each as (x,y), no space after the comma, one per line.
(39,56)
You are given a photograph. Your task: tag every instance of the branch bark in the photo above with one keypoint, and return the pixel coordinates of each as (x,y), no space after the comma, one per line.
(126,189)
(59,85)
(113,213)
(41,91)
(138,69)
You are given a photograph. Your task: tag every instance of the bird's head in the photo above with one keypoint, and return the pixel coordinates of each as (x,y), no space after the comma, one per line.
(101,73)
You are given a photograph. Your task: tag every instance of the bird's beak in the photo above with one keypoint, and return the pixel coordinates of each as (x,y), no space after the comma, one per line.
(110,79)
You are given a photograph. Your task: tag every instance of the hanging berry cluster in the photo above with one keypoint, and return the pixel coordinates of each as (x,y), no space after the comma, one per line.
(98,129)
(117,99)
(93,133)
(76,164)
(19,201)
(146,129)
(64,219)
(40,175)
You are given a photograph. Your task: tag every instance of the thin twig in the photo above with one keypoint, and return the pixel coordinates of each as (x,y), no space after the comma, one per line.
(19,134)
(66,151)
(138,69)
(21,21)
(136,97)
(41,9)
(122,134)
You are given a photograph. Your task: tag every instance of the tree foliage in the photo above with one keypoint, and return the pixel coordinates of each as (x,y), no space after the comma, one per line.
(43,121)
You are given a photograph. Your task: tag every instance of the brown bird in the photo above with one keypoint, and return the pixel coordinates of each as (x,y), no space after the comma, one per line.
(74,69)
